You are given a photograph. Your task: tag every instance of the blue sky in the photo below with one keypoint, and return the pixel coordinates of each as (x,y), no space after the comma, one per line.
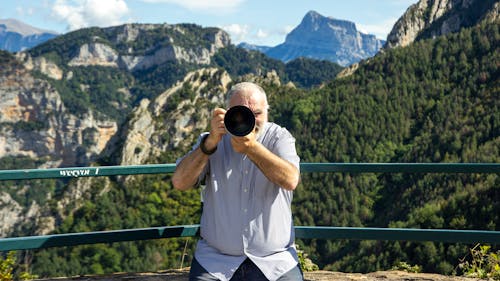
(261,22)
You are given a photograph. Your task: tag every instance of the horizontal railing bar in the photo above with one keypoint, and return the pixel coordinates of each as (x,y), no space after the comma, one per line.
(305,232)
(85,238)
(402,167)
(305,167)
(86,171)
(398,234)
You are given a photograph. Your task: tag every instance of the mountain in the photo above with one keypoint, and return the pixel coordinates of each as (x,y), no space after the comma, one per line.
(432,18)
(248,46)
(325,38)
(16,36)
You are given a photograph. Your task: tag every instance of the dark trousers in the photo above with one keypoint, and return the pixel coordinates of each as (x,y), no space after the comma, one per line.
(247,271)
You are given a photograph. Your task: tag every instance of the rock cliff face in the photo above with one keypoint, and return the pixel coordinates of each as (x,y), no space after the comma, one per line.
(431,18)
(155,126)
(10,215)
(41,64)
(96,53)
(326,38)
(35,123)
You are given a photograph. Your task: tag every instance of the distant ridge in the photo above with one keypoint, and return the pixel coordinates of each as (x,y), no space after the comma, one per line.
(262,49)
(13,25)
(17,36)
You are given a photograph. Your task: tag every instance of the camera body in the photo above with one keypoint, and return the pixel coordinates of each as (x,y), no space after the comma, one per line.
(239,120)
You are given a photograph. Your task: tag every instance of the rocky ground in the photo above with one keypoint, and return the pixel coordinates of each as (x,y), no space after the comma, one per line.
(182,275)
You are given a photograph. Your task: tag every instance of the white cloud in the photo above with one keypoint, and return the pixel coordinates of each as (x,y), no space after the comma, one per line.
(84,13)
(237,32)
(204,5)
(21,11)
(262,34)
(380,30)
(253,35)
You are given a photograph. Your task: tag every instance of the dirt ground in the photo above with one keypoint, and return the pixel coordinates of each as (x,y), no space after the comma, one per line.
(182,275)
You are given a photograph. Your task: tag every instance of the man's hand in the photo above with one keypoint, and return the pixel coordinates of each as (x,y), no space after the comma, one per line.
(244,144)
(217,128)
(190,168)
(276,169)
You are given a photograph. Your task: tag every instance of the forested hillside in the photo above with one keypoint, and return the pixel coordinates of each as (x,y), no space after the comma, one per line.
(434,101)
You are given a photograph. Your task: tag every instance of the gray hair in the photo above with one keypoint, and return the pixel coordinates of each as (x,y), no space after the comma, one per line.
(246,87)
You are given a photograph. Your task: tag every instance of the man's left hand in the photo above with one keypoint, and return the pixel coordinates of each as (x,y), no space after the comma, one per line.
(244,144)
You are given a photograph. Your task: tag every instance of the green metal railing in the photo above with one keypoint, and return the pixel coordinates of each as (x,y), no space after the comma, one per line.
(304,167)
(307,232)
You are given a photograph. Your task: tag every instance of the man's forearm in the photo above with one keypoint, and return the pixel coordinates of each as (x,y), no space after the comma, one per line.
(189,169)
(277,170)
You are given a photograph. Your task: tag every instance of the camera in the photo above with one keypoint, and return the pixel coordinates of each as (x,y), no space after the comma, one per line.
(239,120)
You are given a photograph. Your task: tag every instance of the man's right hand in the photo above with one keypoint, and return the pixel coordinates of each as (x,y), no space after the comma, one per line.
(217,128)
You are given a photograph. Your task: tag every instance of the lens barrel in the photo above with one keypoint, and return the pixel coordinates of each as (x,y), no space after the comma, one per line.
(239,120)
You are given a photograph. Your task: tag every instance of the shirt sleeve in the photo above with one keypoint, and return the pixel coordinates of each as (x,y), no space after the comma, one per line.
(284,147)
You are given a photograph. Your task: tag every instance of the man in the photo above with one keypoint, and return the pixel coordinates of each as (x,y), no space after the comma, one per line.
(246,226)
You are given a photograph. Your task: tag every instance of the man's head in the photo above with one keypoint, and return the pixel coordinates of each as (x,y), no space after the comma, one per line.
(252,96)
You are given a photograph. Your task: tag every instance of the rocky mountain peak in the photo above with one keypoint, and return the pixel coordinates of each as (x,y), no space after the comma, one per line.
(326,38)
(313,21)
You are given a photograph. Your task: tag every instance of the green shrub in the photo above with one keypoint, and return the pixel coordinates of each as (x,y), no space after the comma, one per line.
(7,267)
(483,264)
(305,263)
(407,267)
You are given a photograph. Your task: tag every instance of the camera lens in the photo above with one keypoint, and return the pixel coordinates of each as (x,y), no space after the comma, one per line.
(239,120)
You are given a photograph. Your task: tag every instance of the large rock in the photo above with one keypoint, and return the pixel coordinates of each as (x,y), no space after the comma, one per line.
(95,54)
(10,215)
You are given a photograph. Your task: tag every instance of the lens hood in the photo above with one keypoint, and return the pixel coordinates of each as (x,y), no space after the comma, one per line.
(239,120)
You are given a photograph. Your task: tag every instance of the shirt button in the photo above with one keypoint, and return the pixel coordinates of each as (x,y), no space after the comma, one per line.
(245,210)
(246,171)
(245,190)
